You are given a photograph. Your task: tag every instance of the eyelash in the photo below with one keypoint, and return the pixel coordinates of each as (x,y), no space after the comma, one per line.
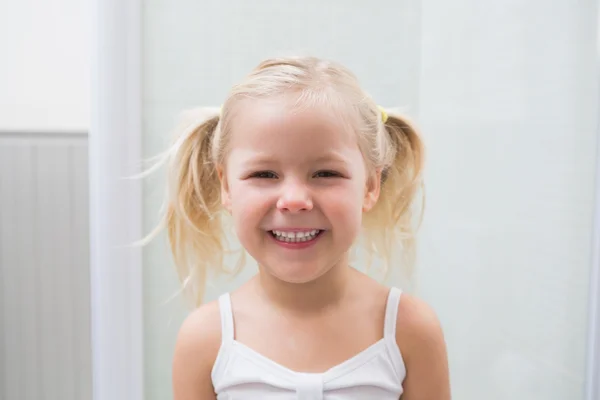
(262,174)
(330,174)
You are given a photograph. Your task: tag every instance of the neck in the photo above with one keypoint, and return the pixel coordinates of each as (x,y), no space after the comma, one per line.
(310,297)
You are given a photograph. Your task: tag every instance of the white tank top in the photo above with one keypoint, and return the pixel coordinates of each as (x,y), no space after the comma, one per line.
(375,373)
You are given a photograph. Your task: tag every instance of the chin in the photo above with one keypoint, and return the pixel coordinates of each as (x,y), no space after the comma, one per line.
(298,274)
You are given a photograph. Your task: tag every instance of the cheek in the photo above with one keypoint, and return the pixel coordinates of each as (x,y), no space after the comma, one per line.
(247,206)
(346,208)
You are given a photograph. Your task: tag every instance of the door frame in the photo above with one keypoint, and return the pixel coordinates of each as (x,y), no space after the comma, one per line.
(115,150)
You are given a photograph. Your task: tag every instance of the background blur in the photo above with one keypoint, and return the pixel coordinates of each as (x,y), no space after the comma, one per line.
(506,94)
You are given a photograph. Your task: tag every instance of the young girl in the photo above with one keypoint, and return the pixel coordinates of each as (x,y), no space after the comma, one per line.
(304,162)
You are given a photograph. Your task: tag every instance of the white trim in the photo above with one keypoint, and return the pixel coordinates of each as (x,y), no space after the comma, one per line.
(592,379)
(115,203)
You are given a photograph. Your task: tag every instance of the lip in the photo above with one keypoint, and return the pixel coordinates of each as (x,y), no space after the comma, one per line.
(296,245)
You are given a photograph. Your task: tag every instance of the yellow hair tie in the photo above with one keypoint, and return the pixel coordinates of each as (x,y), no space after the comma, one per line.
(384,115)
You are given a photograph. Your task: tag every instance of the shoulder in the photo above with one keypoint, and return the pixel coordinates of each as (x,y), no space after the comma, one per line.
(417,325)
(415,314)
(196,348)
(201,330)
(421,341)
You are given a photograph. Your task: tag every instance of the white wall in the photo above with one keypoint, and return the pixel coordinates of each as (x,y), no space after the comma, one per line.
(506,95)
(44,65)
(509,105)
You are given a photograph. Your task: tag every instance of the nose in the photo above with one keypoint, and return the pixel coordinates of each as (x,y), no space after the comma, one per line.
(294,198)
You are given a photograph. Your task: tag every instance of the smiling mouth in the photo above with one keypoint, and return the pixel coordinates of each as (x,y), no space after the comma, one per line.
(296,237)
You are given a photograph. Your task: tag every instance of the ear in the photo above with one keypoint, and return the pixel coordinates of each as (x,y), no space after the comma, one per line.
(372,190)
(225,195)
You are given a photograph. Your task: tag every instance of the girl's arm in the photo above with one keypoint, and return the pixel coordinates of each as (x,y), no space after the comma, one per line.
(195,353)
(423,348)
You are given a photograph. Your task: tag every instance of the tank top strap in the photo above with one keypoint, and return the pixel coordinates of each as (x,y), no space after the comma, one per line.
(227,329)
(389,331)
(391,314)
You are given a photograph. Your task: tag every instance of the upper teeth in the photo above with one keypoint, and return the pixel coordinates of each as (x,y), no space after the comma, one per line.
(296,235)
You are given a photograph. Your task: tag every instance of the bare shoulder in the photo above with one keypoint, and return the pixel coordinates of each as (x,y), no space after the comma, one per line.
(196,350)
(421,341)
(416,320)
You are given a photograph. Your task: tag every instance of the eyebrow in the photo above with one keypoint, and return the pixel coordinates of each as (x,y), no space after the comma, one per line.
(332,156)
(257,159)
(268,159)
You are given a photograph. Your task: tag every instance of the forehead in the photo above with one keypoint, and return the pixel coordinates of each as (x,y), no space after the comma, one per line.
(274,128)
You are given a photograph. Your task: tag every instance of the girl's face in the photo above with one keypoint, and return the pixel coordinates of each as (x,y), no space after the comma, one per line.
(296,186)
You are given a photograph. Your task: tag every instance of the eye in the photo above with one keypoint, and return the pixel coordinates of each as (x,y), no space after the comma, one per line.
(263,175)
(327,174)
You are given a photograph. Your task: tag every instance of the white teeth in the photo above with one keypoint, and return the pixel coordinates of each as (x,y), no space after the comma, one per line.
(293,237)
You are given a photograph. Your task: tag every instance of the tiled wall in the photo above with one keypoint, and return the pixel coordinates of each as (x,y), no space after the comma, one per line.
(45,351)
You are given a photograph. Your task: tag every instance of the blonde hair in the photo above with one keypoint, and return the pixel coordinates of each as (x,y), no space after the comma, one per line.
(193,213)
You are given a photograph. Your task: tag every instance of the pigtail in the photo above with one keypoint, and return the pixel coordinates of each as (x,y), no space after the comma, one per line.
(398,213)
(191,213)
